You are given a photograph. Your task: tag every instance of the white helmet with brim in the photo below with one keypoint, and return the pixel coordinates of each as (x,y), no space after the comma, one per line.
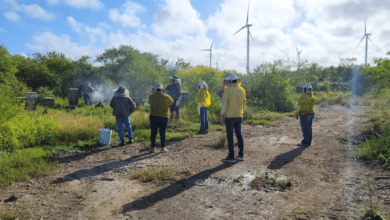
(158,88)
(230,79)
(202,85)
(307,88)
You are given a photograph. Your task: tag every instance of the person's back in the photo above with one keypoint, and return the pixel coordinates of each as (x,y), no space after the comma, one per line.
(122,105)
(235,97)
(159,104)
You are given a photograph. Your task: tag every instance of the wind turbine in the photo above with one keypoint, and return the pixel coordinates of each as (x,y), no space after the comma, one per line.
(299,56)
(367,38)
(211,49)
(216,64)
(248,33)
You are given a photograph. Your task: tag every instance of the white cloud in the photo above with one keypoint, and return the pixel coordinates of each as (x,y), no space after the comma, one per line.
(320,29)
(129,17)
(177,18)
(1,30)
(50,42)
(35,11)
(75,25)
(12,16)
(93,4)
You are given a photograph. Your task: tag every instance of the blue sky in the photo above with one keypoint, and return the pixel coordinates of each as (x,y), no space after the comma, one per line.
(325,30)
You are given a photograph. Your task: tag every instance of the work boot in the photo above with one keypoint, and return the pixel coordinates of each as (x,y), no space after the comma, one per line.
(130,141)
(122,143)
(164,150)
(152,150)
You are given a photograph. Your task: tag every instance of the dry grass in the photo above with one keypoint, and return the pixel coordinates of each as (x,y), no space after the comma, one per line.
(157,175)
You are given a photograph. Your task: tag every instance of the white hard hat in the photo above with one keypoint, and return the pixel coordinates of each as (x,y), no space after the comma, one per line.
(202,85)
(158,86)
(307,86)
(231,76)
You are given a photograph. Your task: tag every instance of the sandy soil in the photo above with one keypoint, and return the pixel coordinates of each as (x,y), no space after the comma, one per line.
(328,182)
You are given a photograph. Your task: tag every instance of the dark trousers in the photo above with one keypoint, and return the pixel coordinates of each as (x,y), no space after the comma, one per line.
(158,123)
(204,121)
(87,98)
(176,109)
(234,123)
(307,130)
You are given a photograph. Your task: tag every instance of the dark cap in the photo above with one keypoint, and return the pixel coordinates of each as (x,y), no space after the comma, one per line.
(121,90)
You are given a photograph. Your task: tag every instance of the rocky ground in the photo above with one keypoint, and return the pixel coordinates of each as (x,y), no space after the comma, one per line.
(326,180)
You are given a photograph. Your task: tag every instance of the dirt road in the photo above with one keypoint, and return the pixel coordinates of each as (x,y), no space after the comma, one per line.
(328,182)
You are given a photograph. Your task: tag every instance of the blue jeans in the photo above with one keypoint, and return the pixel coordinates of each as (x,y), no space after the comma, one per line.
(204,121)
(234,123)
(87,98)
(176,109)
(158,123)
(306,126)
(120,120)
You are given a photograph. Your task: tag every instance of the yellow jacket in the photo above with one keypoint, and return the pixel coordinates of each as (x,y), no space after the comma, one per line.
(204,98)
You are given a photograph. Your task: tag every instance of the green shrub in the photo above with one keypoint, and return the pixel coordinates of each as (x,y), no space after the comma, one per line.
(272,92)
(332,98)
(25,131)
(44,92)
(24,164)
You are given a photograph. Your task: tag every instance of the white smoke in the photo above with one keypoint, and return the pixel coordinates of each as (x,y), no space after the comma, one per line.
(104,93)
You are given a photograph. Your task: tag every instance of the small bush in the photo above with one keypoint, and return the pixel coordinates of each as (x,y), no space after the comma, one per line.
(272,92)
(157,175)
(332,98)
(25,131)
(24,164)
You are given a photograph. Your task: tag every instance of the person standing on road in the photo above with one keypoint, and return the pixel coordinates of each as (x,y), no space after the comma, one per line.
(174,90)
(87,90)
(159,116)
(305,110)
(123,106)
(233,102)
(204,102)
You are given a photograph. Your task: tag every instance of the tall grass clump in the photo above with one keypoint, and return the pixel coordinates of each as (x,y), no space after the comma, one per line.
(25,131)
(157,175)
(24,164)
(377,146)
(332,98)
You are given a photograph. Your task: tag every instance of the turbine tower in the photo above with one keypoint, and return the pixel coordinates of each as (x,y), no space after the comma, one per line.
(299,56)
(211,49)
(248,34)
(367,38)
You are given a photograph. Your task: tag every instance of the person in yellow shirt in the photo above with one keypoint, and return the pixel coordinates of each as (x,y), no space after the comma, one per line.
(204,102)
(305,111)
(159,116)
(233,102)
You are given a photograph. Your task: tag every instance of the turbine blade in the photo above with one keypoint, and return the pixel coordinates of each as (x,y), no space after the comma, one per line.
(369,38)
(205,50)
(360,41)
(239,30)
(211,45)
(250,34)
(297,48)
(247,15)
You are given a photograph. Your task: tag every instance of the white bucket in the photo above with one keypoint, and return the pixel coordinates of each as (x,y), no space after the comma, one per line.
(104,136)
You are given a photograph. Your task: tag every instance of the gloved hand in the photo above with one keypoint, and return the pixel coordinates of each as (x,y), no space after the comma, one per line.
(221,119)
(177,103)
(199,106)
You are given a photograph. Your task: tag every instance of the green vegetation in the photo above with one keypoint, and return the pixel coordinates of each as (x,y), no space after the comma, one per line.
(24,164)
(332,98)
(157,175)
(270,93)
